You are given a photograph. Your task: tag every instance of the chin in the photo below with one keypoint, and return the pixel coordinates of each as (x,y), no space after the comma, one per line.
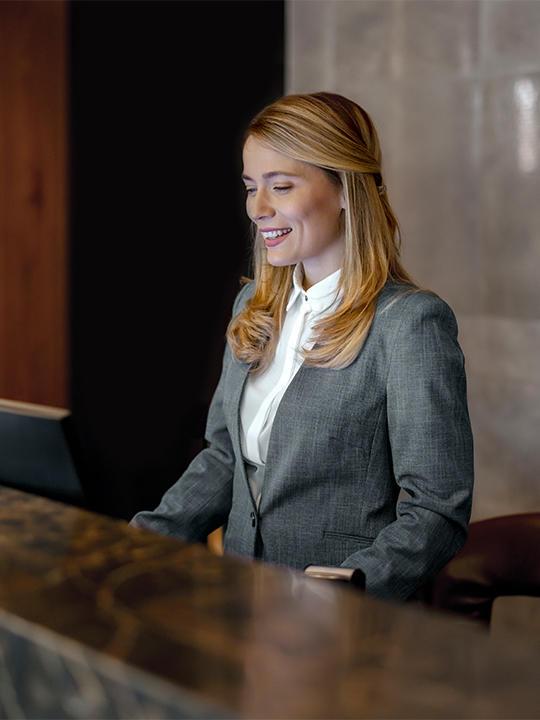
(279,261)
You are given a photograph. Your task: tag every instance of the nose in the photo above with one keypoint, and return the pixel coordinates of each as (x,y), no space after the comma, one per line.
(259,206)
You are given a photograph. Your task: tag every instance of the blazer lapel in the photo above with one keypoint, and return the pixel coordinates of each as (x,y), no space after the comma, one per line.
(236,382)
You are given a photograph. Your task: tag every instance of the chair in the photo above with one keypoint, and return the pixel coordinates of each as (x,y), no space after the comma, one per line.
(501,557)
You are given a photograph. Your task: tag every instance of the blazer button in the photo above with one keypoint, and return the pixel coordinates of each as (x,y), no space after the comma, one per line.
(253,521)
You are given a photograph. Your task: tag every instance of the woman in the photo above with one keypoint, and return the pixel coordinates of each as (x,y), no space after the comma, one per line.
(341,383)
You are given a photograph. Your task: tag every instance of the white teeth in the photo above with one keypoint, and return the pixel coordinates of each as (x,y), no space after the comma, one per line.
(275,233)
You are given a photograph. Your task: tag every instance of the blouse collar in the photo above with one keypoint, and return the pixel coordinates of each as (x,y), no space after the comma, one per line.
(320,296)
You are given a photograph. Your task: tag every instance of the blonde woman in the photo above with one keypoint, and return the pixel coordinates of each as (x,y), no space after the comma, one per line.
(342,382)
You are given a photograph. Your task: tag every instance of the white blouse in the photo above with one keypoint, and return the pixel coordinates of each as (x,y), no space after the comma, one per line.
(263,393)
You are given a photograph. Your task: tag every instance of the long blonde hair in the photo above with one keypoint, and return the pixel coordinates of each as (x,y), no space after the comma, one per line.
(338,136)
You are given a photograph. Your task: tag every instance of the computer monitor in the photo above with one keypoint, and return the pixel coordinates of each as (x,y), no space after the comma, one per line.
(37,451)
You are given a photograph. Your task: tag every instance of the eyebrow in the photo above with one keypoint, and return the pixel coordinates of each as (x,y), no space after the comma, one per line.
(272,174)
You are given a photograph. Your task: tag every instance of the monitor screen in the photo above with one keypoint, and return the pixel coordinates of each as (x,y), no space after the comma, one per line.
(37,451)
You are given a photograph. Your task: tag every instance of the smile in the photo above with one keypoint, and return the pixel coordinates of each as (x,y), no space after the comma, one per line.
(273,234)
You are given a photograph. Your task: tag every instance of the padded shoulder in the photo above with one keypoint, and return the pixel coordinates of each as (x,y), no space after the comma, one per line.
(399,299)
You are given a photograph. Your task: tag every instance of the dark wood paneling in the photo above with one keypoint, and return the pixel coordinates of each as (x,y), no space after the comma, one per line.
(33,202)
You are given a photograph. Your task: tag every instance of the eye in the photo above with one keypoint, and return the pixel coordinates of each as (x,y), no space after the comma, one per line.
(250,190)
(282,188)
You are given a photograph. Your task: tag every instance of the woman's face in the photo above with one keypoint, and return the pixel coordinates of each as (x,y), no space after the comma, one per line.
(297,209)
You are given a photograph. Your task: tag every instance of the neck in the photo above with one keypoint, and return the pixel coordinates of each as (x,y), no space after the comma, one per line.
(312,279)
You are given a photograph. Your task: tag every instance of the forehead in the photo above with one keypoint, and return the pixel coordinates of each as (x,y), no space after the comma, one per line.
(264,160)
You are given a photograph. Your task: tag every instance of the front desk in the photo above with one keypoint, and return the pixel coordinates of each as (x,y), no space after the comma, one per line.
(100,620)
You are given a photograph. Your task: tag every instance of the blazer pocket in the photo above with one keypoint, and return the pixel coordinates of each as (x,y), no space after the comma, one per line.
(362,540)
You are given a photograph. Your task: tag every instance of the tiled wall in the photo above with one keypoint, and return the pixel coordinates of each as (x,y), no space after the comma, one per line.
(454,89)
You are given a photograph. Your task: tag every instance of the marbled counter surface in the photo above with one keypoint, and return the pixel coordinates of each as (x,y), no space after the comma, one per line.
(203,636)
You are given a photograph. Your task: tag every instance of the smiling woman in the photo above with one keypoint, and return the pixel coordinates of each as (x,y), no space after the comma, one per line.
(342,382)
(297,209)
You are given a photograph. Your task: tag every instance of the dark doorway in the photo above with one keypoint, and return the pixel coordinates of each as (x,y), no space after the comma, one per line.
(160,95)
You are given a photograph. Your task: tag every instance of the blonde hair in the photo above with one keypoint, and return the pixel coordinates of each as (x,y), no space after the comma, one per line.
(338,136)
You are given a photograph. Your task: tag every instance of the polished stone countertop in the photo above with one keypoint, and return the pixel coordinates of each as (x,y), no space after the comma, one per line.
(114,621)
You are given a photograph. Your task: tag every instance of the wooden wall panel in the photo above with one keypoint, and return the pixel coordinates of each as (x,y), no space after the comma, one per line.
(33,202)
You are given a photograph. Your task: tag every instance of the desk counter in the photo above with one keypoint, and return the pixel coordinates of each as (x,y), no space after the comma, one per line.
(100,620)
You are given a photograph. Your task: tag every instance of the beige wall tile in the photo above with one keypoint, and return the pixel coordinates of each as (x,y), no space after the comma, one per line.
(510,208)
(309,43)
(434,189)
(502,362)
(362,41)
(510,36)
(505,415)
(454,89)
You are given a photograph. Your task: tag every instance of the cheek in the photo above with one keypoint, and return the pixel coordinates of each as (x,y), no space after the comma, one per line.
(326,216)
(308,213)
(249,206)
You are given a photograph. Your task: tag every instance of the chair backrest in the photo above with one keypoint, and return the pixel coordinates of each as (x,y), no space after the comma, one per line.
(501,557)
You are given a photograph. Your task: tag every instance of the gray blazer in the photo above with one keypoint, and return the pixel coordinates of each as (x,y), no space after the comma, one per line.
(342,445)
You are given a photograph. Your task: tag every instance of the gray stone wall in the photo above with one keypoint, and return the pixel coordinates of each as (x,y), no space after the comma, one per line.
(453,87)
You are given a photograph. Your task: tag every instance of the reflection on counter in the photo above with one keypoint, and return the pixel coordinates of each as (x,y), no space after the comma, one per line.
(101,620)
(44,675)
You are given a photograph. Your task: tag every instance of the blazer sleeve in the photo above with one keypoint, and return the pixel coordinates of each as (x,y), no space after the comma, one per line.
(431,451)
(200,501)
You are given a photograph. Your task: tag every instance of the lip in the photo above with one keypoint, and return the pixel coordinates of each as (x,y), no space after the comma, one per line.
(272,242)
